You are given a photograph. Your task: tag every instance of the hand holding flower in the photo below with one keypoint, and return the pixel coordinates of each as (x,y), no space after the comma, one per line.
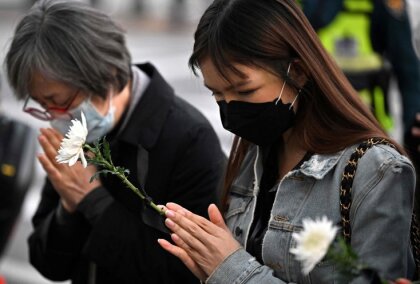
(72,149)
(200,243)
(71,183)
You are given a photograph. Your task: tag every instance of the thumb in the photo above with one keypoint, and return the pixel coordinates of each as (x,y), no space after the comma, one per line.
(216,217)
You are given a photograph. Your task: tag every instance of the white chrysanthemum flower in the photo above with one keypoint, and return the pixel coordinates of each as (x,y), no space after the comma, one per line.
(313,242)
(71,148)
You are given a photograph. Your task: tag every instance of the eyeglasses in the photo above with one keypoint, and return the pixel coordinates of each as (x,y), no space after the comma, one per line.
(50,113)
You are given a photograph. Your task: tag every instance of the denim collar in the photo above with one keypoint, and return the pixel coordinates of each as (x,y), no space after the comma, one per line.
(320,164)
(251,170)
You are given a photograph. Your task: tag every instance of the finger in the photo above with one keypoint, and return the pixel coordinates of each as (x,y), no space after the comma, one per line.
(174,207)
(49,150)
(180,243)
(216,217)
(191,234)
(52,137)
(197,219)
(49,167)
(56,133)
(184,257)
(162,207)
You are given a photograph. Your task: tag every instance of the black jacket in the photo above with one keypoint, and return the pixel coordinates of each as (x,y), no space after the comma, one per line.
(184,164)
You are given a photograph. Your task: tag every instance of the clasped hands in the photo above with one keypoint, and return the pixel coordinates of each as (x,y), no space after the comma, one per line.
(199,243)
(71,183)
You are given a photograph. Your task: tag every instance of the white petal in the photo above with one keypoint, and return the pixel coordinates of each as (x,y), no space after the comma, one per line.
(71,147)
(313,241)
(84,121)
(307,267)
(73,160)
(83,159)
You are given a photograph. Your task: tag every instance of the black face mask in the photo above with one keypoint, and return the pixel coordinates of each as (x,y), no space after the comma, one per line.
(259,123)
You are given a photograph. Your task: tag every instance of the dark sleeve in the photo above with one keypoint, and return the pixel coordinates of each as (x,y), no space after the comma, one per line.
(196,179)
(121,244)
(391,36)
(199,171)
(55,248)
(62,242)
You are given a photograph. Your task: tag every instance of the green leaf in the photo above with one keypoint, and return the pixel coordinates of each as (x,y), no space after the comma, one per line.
(103,172)
(106,151)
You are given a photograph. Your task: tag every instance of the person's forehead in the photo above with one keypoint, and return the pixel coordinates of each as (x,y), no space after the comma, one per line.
(213,77)
(41,85)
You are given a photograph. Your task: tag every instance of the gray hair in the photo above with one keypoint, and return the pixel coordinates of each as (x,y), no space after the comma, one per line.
(70,42)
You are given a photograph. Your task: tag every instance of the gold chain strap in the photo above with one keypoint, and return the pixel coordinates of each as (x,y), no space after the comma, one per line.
(347,182)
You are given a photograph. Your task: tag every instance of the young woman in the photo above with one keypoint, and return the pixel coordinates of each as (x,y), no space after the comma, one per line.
(297,121)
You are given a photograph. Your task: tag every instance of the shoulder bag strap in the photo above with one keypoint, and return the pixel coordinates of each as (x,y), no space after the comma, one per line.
(347,182)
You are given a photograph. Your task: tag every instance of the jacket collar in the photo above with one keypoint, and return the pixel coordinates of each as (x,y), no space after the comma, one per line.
(251,170)
(150,113)
(320,164)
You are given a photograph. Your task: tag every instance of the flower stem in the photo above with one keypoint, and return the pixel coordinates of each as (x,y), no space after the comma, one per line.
(100,160)
(137,191)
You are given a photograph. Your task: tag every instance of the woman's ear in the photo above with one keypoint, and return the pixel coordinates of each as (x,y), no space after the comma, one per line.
(299,73)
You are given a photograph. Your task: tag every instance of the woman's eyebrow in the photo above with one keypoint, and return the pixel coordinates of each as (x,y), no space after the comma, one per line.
(230,87)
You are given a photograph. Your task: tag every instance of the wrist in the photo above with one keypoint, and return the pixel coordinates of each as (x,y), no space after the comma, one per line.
(69,207)
(65,217)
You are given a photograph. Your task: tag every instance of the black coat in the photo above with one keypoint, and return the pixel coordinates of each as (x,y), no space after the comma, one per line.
(185,165)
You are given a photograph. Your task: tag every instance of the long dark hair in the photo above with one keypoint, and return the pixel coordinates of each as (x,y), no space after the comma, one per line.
(270,34)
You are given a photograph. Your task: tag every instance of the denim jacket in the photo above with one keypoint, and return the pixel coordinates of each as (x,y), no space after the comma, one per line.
(380,216)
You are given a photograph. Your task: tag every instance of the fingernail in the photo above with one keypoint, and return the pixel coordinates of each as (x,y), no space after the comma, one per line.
(169,223)
(170,213)
(174,237)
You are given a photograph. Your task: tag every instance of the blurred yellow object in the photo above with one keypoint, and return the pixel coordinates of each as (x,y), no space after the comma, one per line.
(8,170)
(347,39)
(361,63)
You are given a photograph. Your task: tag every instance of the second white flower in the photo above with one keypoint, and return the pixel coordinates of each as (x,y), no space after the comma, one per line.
(313,242)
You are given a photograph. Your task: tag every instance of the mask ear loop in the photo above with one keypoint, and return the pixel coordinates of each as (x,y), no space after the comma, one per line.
(111,103)
(300,90)
(284,84)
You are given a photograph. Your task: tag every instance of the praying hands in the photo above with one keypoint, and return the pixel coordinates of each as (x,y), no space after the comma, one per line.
(200,244)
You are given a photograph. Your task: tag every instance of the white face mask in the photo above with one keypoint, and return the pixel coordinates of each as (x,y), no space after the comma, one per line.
(98,125)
